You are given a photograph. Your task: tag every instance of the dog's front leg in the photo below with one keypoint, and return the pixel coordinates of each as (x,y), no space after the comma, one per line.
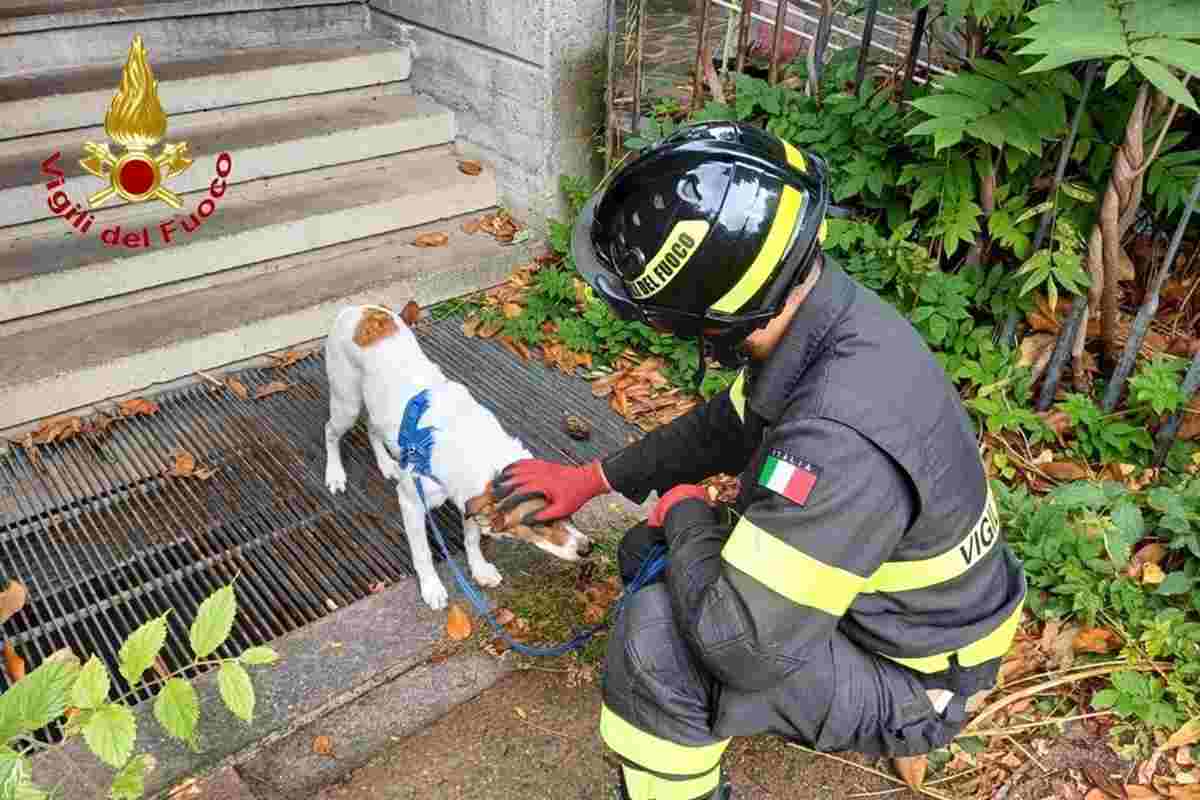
(387,464)
(482,570)
(432,590)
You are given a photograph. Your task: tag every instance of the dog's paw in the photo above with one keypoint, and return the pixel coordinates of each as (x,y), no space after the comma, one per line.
(335,478)
(390,469)
(486,574)
(434,594)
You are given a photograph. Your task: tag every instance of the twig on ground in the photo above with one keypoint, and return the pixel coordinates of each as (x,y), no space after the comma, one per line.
(1025,726)
(890,778)
(1041,687)
(1028,754)
(938,782)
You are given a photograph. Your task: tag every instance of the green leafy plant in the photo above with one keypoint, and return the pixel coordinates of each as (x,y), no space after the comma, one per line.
(1102,438)
(108,726)
(1156,388)
(1056,270)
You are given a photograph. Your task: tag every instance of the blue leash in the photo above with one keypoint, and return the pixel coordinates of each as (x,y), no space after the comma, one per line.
(416,451)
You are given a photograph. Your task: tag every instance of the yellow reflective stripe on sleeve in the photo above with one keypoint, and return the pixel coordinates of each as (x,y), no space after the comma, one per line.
(737,394)
(903,576)
(787,571)
(768,256)
(995,645)
(654,753)
(644,786)
(794,156)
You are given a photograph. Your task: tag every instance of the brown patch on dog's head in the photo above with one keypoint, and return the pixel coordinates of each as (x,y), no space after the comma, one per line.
(559,538)
(374,326)
(411,313)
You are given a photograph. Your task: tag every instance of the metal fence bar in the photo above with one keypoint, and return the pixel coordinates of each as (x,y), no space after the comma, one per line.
(781,7)
(865,42)
(701,50)
(744,17)
(1062,349)
(914,49)
(637,67)
(1141,322)
(1168,432)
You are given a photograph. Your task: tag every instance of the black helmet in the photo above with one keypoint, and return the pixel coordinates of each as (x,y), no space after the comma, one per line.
(705,234)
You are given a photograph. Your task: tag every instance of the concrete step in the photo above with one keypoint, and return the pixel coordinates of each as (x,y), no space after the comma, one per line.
(27,16)
(266,139)
(171,39)
(78,97)
(65,367)
(49,265)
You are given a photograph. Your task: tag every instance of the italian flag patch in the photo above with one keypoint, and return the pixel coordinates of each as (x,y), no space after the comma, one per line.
(792,480)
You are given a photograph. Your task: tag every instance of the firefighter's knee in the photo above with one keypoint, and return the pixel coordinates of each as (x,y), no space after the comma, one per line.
(634,548)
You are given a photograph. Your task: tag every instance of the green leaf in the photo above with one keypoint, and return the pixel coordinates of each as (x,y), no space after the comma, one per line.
(236,690)
(1165,82)
(1128,528)
(1079,192)
(1175,583)
(110,734)
(213,622)
(37,699)
(1116,71)
(1029,213)
(91,687)
(949,104)
(14,771)
(258,656)
(1182,55)
(1105,698)
(130,782)
(141,648)
(177,709)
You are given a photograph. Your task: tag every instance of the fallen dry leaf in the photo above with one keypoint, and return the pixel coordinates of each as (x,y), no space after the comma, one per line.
(411,313)
(490,328)
(274,387)
(1059,421)
(323,746)
(184,466)
(290,357)
(1189,427)
(1183,757)
(470,167)
(593,613)
(14,665)
(577,427)
(1042,322)
(160,668)
(504,616)
(1187,735)
(1152,553)
(58,429)
(1036,350)
(1095,794)
(1103,782)
(1096,640)
(238,388)
(138,406)
(458,624)
(12,600)
(510,310)
(1185,791)
(434,239)
(1135,791)
(912,769)
(470,326)
(1065,471)
(377,587)
(1153,574)
(518,349)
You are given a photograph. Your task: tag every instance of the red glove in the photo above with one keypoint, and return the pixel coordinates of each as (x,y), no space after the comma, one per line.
(566,488)
(682,492)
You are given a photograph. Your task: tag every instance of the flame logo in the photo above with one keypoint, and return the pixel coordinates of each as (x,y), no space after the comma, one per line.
(135,118)
(136,121)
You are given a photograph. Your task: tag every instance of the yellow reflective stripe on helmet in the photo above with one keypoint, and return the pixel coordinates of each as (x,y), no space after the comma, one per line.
(737,394)
(654,753)
(903,576)
(794,156)
(787,571)
(769,255)
(995,645)
(644,786)
(823,231)
(677,249)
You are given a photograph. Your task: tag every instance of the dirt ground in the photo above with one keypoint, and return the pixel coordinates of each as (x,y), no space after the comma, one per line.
(533,736)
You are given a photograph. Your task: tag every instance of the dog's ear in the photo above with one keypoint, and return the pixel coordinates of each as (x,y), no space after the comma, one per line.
(411,313)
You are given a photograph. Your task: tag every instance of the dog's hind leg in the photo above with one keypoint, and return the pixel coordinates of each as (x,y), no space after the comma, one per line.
(482,570)
(345,403)
(432,590)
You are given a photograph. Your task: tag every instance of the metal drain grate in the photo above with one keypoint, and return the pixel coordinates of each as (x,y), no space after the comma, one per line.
(105,541)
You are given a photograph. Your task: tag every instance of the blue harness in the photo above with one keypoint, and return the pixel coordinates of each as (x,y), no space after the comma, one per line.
(416,450)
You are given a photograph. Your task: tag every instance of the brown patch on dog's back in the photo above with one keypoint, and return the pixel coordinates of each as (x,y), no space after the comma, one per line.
(374,326)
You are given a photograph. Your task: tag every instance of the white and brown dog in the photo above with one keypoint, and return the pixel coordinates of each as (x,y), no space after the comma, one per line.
(372,358)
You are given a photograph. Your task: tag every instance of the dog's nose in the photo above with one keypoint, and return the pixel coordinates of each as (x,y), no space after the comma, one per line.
(585,549)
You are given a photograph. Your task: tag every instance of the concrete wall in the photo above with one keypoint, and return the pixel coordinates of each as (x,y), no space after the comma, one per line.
(524,78)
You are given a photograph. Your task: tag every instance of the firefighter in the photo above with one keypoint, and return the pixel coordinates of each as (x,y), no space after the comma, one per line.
(858,592)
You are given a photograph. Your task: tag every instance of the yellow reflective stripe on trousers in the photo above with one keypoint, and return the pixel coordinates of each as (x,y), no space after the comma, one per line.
(654,753)
(644,786)
(994,645)
(904,576)
(787,571)
(737,394)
